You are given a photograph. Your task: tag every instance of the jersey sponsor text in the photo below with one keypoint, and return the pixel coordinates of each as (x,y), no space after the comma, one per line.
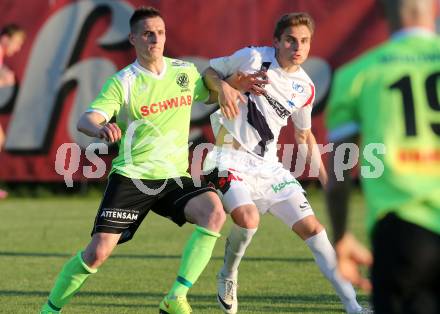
(164,105)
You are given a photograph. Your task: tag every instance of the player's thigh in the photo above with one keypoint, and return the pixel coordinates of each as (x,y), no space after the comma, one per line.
(205,210)
(123,207)
(184,201)
(293,209)
(231,187)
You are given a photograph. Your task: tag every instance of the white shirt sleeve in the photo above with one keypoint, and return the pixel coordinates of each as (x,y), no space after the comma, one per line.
(241,60)
(302,118)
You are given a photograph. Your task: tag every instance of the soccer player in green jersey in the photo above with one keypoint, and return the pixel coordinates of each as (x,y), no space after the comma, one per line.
(151,100)
(391,97)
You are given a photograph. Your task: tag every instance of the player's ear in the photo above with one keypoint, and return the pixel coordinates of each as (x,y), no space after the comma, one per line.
(131,38)
(276,42)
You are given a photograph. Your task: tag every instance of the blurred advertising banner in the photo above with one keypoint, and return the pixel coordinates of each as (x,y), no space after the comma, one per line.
(73,46)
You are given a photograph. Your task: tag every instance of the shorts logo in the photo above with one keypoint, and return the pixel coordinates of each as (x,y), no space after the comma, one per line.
(278,187)
(231,177)
(305,205)
(221,180)
(119,214)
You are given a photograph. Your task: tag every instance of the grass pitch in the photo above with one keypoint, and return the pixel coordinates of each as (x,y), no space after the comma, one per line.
(278,274)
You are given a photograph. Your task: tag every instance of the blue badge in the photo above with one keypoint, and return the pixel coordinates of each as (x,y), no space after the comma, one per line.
(297,87)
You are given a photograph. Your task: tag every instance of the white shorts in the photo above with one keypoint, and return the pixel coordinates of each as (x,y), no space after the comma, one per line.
(242,179)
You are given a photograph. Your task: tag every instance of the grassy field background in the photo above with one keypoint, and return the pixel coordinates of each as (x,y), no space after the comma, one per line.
(38,235)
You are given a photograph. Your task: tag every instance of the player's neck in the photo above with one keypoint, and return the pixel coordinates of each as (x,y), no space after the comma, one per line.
(153,65)
(286,65)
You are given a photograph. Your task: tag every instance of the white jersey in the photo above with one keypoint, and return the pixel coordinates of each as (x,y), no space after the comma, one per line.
(258,125)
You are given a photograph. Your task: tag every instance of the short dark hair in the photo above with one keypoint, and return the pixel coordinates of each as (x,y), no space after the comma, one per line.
(293,19)
(141,14)
(11,29)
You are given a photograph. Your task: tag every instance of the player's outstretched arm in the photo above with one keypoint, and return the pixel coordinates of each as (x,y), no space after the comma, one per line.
(245,82)
(312,155)
(227,95)
(94,124)
(7,77)
(2,138)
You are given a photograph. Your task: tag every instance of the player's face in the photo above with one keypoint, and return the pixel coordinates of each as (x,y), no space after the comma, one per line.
(294,45)
(148,39)
(14,43)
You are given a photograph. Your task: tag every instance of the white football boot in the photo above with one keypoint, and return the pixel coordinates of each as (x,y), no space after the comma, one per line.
(227,294)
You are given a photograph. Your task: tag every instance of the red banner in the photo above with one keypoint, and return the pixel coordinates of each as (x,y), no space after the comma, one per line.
(72,46)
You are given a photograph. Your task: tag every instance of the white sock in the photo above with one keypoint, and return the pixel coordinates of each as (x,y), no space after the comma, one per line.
(238,240)
(325,257)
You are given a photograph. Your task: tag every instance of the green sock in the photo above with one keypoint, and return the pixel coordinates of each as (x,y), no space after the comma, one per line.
(195,257)
(69,281)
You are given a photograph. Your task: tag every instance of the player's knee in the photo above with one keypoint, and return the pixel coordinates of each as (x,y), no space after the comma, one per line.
(246,217)
(206,211)
(216,217)
(95,258)
(308,227)
(101,256)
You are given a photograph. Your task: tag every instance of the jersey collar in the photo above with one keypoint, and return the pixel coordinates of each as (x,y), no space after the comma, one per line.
(412,31)
(156,76)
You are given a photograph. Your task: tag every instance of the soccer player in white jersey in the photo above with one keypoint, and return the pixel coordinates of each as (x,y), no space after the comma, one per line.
(244,166)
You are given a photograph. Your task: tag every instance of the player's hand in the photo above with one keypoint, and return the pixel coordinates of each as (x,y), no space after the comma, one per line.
(253,83)
(351,255)
(110,132)
(323,177)
(7,77)
(228,98)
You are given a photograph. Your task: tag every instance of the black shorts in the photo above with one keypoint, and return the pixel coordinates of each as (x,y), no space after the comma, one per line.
(406,268)
(126,202)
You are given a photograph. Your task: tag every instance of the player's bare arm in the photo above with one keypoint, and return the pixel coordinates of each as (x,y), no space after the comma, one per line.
(253,83)
(227,95)
(213,98)
(7,77)
(312,156)
(2,138)
(94,124)
(231,88)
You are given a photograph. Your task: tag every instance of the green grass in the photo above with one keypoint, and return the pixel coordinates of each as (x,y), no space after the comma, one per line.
(278,274)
